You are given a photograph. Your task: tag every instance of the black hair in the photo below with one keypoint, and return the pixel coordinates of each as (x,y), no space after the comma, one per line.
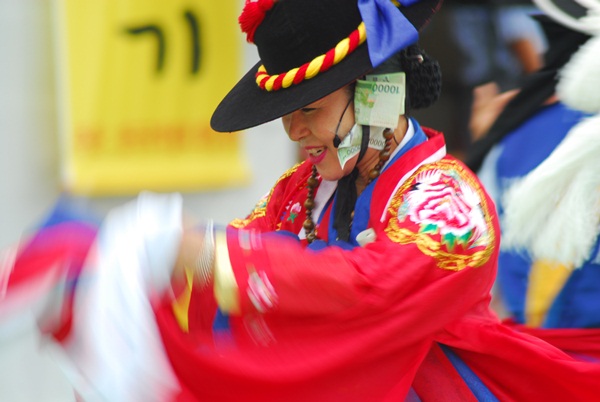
(423,76)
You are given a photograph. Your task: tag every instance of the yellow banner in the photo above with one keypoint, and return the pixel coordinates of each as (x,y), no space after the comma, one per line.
(138,82)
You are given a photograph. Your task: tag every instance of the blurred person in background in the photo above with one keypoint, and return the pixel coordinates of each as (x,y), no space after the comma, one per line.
(544,137)
(498,40)
(364,274)
(498,44)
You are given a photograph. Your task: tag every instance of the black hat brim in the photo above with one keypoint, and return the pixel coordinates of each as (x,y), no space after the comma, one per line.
(236,112)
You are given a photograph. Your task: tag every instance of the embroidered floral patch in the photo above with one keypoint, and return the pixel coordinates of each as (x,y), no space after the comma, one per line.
(443,212)
(294,211)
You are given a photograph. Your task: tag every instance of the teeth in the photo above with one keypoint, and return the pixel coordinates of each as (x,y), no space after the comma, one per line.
(315,152)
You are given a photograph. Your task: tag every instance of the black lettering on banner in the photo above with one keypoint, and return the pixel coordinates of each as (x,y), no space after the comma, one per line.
(160,39)
(195,35)
(156,31)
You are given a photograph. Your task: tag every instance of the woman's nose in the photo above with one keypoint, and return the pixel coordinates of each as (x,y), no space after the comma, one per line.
(294,125)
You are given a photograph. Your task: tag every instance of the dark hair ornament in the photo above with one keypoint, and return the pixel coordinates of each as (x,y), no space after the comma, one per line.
(423,77)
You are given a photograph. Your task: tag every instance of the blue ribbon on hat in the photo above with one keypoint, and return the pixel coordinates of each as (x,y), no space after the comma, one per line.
(388,30)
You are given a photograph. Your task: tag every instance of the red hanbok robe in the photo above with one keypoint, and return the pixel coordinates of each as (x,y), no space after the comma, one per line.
(404,317)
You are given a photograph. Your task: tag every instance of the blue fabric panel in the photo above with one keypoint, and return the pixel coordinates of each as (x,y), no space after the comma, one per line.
(412,396)
(481,392)
(221,321)
(528,145)
(512,280)
(523,150)
(578,304)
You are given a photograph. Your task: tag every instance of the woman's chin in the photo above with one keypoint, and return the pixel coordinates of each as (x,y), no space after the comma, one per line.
(330,176)
(335,173)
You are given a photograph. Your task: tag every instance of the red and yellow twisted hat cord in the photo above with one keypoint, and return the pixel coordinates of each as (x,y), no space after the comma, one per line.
(318,65)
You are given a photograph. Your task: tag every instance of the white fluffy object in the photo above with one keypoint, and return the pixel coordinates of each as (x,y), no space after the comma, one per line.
(579,85)
(115,352)
(554,212)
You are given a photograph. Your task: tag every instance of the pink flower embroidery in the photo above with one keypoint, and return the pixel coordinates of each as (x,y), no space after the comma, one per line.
(440,203)
(294,211)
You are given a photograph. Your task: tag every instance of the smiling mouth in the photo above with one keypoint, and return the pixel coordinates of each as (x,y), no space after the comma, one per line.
(315,151)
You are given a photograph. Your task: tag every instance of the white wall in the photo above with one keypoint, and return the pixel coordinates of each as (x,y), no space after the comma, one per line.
(29,176)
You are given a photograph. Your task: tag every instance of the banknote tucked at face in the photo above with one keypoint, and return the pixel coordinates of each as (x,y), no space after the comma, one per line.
(379,100)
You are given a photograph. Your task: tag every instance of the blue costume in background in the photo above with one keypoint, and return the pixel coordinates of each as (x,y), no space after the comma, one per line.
(537,293)
(516,155)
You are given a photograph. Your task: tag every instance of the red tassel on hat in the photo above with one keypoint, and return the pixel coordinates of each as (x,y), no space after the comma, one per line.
(252,15)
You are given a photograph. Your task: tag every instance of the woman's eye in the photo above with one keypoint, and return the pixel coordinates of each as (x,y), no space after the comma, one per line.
(308,109)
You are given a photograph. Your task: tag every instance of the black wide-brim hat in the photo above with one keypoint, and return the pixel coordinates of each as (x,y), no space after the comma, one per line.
(571,13)
(293,33)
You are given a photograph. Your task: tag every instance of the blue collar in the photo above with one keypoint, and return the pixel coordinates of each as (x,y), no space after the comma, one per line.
(363,203)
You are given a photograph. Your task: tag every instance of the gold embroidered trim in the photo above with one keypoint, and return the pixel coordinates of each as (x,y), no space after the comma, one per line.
(424,240)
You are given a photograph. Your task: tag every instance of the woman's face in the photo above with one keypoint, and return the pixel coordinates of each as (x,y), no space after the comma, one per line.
(313,128)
